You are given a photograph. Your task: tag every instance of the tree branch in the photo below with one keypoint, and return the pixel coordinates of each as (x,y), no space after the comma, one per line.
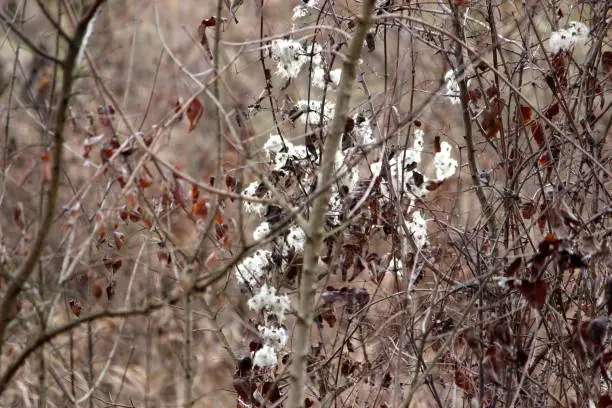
(26,268)
(314,237)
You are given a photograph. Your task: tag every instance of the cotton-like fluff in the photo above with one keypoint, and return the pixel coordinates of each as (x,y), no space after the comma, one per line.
(403,173)
(363,130)
(418,229)
(261,231)
(274,336)
(445,164)
(314,107)
(268,301)
(289,56)
(251,207)
(265,357)
(253,268)
(562,40)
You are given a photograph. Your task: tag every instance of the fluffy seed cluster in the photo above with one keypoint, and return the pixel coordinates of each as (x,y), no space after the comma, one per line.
(251,270)
(446,166)
(268,301)
(562,40)
(280,153)
(261,231)
(363,131)
(452,87)
(403,172)
(250,207)
(273,335)
(265,357)
(316,114)
(302,10)
(418,229)
(289,56)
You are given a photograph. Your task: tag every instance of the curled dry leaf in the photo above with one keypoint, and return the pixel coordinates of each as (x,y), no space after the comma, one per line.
(119,239)
(608,295)
(194,113)
(465,381)
(18,216)
(526,114)
(202,34)
(123,212)
(200,208)
(96,287)
(437,145)
(552,111)
(528,210)
(491,123)
(75,307)
(144,181)
(46,167)
(195,193)
(538,134)
(605,401)
(606,62)
(110,289)
(534,292)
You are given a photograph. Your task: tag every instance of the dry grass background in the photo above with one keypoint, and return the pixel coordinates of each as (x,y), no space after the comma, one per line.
(126,48)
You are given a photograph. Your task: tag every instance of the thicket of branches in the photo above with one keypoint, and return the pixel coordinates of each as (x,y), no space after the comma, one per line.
(309,203)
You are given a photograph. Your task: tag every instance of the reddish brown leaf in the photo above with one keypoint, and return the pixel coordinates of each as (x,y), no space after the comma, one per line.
(219,216)
(528,210)
(75,307)
(110,289)
(221,230)
(18,216)
(491,124)
(195,193)
(96,287)
(559,67)
(463,381)
(538,133)
(492,365)
(117,264)
(194,113)
(526,113)
(46,167)
(605,401)
(606,61)
(144,181)
(135,215)
(497,106)
(513,268)
(209,22)
(123,212)
(534,292)
(492,91)
(200,208)
(549,244)
(474,95)
(177,193)
(177,109)
(434,185)
(608,295)
(552,110)
(119,239)
(101,234)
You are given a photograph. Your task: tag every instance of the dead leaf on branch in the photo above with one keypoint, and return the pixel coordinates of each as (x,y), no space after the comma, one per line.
(194,113)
